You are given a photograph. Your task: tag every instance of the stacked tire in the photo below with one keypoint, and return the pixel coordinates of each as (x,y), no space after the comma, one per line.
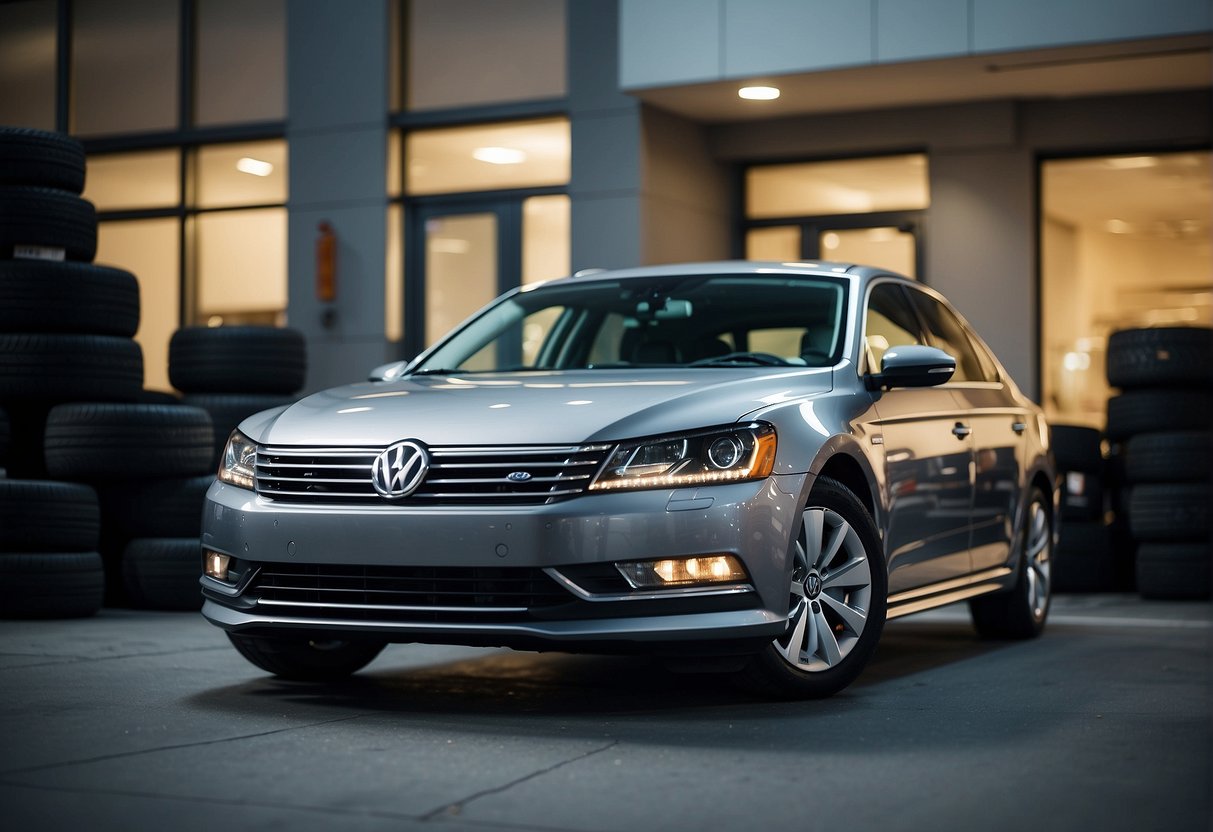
(233,372)
(1162,421)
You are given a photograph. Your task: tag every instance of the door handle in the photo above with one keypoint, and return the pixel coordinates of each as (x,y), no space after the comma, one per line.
(1019,427)
(961,430)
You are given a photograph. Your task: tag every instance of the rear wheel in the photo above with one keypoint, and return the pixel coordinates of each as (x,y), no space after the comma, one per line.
(1021,611)
(837,600)
(306,659)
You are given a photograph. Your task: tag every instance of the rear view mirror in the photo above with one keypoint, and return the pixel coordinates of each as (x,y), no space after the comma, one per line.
(913,366)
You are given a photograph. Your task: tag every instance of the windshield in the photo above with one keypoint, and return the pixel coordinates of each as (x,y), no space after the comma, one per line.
(696,321)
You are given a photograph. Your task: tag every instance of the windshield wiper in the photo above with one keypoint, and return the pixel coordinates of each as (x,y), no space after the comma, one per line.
(435,371)
(741,359)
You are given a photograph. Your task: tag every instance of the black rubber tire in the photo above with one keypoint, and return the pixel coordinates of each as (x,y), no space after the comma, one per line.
(41,158)
(48,296)
(1084,560)
(45,516)
(1170,511)
(1158,411)
(47,218)
(1010,614)
(57,368)
(1077,448)
(1082,496)
(154,507)
(162,573)
(768,671)
(127,441)
(230,409)
(237,359)
(1161,357)
(1181,456)
(304,659)
(1174,571)
(50,584)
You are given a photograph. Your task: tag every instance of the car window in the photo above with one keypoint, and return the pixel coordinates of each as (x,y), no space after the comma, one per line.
(948,334)
(889,322)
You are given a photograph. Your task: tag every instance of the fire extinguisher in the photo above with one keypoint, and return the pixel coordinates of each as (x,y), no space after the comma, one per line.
(326,270)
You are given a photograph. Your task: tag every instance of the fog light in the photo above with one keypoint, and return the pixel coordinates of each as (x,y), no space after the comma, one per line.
(674,572)
(216,566)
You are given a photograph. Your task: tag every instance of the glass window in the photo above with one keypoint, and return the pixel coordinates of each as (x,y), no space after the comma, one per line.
(124,66)
(249,173)
(131,181)
(27,64)
(545,238)
(886,248)
(461,269)
(523,154)
(781,244)
(890,322)
(393,279)
(852,186)
(468,52)
(948,334)
(241,267)
(1124,243)
(149,249)
(241,61)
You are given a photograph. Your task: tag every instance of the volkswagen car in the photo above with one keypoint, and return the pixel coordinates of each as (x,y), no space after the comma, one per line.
(738,466)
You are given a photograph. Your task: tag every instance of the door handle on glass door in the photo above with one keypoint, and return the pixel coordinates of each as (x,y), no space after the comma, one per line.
(961,430)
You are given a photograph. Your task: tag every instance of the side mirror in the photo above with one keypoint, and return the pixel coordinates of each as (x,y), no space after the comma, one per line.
(388,372)
(913,366)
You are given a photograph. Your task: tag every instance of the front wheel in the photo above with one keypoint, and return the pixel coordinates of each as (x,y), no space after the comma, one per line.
(306,659)
(1020,612)
(836,601)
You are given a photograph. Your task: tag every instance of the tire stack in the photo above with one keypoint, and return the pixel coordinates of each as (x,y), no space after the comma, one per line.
(233,372)
(71,375)
(1087,560)
(1162,421)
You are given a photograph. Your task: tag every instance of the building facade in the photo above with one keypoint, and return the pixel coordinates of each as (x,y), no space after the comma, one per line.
(1043,163)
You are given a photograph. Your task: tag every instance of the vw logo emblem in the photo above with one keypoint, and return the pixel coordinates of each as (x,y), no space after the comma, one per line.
(400,469)
(812,585)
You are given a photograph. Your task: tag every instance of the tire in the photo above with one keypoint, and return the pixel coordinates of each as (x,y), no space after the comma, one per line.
(1085,561)
(154,508)
(1158,411)
(1160,357)
(1082,496)
(229,410)
(163,573)
(42,516)
(41,158)
(304,659)
(237,359)
(127,441)
(59,368)
(1182,456)
(1077,448)
(823,651)
(1021,612)
(50,584)
(47,218)
(1170,511)
(1174,570)
(46,296)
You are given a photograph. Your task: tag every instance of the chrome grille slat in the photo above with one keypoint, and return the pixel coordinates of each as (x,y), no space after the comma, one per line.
(458,475)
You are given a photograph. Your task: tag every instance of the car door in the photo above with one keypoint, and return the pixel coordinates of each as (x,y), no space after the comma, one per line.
(928,456)
(998,432)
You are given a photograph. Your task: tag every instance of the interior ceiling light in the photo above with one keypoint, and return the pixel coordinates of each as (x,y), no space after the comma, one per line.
(1131,162)
(758,93)
(254,167)
(499,155)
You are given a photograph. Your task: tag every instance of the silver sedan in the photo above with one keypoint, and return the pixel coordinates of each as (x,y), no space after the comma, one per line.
(737,466)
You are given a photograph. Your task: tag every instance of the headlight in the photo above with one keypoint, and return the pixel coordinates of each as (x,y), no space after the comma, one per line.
(237,465)
(705,457)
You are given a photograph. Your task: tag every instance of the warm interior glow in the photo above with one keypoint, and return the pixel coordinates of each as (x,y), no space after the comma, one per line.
(758,93)
(254,167)
(499,155)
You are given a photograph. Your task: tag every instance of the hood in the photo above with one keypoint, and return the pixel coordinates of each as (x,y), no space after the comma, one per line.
(532,408)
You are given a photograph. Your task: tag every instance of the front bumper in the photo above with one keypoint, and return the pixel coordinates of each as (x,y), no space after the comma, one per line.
(567,546)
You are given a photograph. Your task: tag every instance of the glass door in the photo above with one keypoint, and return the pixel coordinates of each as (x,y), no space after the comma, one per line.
(887,241)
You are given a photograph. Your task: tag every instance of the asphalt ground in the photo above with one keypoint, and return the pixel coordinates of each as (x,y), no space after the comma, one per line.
(135,720)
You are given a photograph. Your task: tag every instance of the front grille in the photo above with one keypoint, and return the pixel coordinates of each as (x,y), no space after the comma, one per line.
(457,476)
(404,594)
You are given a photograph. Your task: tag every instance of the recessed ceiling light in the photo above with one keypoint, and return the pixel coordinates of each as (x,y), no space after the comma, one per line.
(1118,226)
(499,155)
(254,167)
(758,93)
(1131,162)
